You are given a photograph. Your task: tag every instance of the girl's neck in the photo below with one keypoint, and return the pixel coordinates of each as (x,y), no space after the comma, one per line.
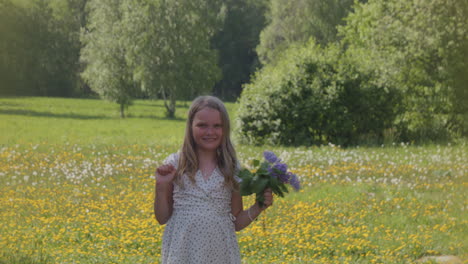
(207,163)
(205,158)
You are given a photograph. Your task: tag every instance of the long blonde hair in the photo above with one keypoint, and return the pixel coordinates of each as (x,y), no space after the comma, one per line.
(225,155)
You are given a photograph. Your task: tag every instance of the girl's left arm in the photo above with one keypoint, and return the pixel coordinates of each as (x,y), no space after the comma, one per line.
(245,217)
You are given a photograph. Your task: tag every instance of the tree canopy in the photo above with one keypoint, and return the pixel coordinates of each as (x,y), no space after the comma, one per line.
(421,48)
(104,53)
(236,43)
(161,46)
(39,48)
(169,47)
(296,21)
(410,54)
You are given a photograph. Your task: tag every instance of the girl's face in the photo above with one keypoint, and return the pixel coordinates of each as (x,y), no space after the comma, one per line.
(207,129)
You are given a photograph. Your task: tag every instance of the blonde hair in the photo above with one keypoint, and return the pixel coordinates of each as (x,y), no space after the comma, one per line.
(225,155)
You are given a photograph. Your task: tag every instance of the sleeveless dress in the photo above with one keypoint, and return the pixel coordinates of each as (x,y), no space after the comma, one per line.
(201,228)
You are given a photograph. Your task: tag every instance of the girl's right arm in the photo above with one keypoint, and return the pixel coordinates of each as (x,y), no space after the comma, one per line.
(163,200)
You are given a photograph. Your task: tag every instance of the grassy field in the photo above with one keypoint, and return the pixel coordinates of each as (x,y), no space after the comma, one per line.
(76,186)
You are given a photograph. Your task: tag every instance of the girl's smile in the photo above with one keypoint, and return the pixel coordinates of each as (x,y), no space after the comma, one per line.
(207,129)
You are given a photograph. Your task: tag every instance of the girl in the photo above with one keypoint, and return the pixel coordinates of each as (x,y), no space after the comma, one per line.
(197,191)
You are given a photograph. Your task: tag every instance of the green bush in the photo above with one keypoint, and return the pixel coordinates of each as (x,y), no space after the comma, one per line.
(421,48)
(313,96)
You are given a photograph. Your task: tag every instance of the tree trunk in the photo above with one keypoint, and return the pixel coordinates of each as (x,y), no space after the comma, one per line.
(170,108)
(122,108)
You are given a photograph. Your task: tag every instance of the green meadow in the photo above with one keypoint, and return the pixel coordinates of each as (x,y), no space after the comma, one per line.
(76,185)
(87,121)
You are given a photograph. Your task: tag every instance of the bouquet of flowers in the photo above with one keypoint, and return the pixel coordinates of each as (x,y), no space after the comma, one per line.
(271,173)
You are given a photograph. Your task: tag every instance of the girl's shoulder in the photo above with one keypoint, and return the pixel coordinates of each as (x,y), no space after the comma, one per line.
(172,159)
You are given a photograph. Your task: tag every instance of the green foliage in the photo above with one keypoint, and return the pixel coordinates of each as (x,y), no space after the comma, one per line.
(179,49)
(104,53)
(236,43)
(314,96)
(296,21)
(167,45)
(10,26)
(39,49)
(420,48)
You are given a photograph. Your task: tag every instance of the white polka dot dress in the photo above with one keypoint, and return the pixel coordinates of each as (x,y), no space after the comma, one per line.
(200,229)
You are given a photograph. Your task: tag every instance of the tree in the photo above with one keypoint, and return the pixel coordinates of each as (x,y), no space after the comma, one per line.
(72,15)
(295,21)
(169,47)
(420,47)
(40,49)
(12,45)
(104,53)
(236,43)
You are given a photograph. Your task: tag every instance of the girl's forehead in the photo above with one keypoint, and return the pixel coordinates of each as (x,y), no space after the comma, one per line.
(208,113)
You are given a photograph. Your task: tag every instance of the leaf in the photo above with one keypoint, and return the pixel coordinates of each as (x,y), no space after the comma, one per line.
(283,187)
(275,186)
(260,198)
(259,185)
(244,174)
(255,179)
(277,190)
(255,163)
(245,188)
(263,170)
(274,181)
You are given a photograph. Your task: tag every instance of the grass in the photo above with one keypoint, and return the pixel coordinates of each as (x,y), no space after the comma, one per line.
(86,121)
(77,187)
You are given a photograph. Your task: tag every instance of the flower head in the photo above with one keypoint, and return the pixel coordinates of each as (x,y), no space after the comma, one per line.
(278,170)
(282,167)
(270,156)
(294,181)
(285,178)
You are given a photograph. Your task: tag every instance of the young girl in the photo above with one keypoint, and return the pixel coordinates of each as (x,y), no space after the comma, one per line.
(197,191)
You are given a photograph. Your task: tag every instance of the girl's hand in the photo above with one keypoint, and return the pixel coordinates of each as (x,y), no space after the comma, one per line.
(165,174)
(268,194)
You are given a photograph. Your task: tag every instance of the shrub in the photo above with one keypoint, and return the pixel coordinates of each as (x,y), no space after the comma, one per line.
(313,96)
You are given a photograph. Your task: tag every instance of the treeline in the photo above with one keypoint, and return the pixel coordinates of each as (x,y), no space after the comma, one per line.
(120,50)
(304,71)
(40,47)
(395,70)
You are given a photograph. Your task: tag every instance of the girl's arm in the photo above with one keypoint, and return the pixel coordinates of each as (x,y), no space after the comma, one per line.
(245,217)
(163,199)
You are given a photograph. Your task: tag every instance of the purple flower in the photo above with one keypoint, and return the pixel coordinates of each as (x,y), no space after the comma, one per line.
(281,167)
(284,178)
(294,181)
(270,156)
(278,170)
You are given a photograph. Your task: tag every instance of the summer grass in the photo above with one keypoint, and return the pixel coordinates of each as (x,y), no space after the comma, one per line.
(77,187)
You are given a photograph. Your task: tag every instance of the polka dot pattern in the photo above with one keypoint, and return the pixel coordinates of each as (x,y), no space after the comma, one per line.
(200,229)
